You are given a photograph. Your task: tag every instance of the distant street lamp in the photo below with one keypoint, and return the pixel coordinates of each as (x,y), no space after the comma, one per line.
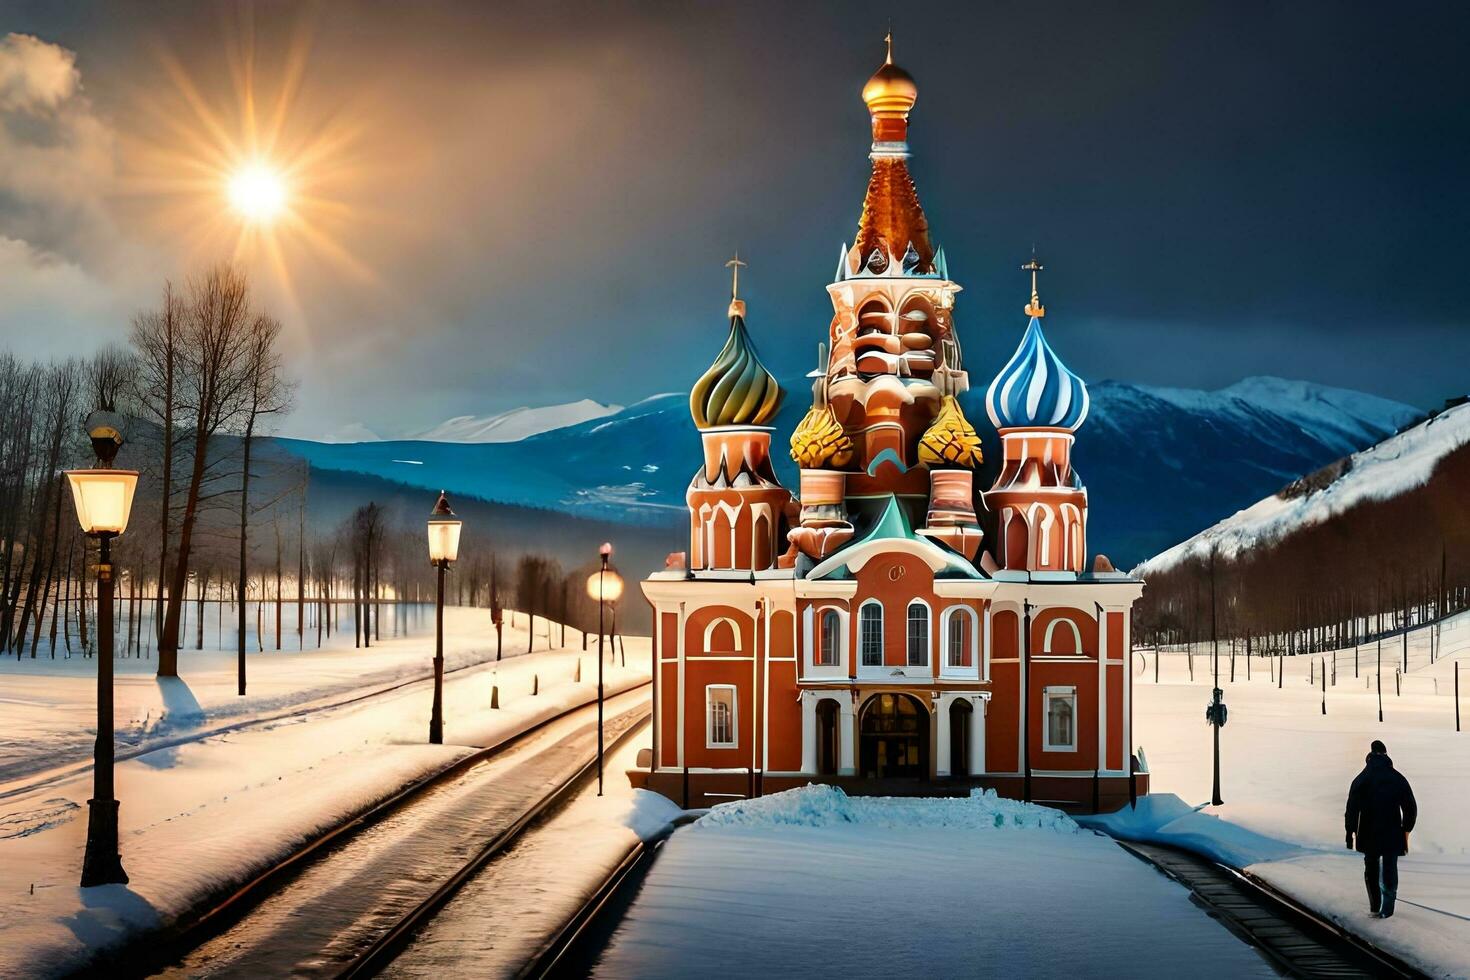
(104,499)
(444,530)
(604,585)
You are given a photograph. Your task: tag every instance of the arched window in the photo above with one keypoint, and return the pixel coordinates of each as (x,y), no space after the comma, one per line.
(829,651)
(958,642)
(918,634)
(870,634)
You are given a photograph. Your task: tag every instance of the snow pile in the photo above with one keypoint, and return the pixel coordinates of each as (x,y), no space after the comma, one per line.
(826,806)
(1394,466)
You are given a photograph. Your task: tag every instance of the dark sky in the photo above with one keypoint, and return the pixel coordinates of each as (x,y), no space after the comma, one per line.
(532,203)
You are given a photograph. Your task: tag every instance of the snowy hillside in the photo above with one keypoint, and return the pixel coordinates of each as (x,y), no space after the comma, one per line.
(1160,463)
(1399,463)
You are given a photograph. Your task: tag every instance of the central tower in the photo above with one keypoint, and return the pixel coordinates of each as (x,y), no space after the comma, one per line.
(884,419)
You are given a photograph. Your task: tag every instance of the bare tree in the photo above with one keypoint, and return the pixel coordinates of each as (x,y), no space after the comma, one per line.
(214,375)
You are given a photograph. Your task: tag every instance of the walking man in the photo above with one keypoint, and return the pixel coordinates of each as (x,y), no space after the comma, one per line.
(1380,814)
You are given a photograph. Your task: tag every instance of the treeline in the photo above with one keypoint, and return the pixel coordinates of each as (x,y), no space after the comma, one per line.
(1376,569)
(194,390)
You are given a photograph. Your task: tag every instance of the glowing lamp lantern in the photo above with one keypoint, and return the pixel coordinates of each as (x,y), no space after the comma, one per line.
(104,499)
(444,530)
(605,586)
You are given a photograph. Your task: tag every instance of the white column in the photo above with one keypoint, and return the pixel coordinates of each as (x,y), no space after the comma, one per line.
(847,734)
(942,759)
(679,708)
(977,737)
(1102,689)
(808,732)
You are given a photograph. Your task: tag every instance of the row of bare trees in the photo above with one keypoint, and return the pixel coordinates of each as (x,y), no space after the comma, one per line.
(1376,569)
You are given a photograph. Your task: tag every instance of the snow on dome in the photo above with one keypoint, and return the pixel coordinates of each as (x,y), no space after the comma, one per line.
(1035,389)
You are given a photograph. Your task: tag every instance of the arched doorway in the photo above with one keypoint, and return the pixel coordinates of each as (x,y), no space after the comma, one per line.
(827,736)
(894,738)
(961,717)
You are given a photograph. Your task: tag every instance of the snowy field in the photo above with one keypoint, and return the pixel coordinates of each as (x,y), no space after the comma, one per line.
(206,810)
(47,704)
(1285,774)
(813,883)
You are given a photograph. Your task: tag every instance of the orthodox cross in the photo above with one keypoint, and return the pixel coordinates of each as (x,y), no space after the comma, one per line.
(1034,308)
(734,266)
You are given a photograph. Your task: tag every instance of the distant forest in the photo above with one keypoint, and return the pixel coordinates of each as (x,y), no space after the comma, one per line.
(1375,569)
(224,515)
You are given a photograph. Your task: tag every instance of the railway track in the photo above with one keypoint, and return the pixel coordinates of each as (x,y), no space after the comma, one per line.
(1295,940)
(28,783)
(320,911)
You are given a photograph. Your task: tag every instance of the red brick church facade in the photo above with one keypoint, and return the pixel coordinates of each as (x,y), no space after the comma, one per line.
(893,630)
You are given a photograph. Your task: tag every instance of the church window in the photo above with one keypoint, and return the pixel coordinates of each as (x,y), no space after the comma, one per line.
(870,624)
(1061,719)
(918,647)
(720,721)
(829,652)
(959,640)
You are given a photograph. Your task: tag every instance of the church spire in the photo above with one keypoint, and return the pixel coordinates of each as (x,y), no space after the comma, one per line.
(893,223)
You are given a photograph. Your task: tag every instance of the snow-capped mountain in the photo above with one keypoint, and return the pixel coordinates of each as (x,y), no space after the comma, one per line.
(516,424)
(1400,463)
(1160,463)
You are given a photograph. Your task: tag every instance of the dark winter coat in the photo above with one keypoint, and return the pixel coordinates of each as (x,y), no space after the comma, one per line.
(1380,808)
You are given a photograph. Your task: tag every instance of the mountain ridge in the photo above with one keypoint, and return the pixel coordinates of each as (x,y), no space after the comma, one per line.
(1159,463)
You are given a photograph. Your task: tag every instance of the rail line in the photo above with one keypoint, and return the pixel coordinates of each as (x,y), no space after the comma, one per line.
(382,951)
(22,785)
(1295,940)
(161,951)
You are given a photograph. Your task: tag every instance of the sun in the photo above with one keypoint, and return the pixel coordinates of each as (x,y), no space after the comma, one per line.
(257,192)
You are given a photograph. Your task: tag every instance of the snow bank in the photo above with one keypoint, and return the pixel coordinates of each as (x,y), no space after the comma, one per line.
(827,806)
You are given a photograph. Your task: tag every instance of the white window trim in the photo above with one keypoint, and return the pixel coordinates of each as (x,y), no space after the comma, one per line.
(871,670)
(928,635)
(709,732)
(1058,692)
(972,672)
(1046,649)
(709,631)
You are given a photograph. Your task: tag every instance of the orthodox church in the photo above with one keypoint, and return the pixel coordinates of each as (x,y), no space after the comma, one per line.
(895,629)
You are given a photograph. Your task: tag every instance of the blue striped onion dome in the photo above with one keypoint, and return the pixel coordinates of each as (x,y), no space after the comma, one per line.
(1035,389)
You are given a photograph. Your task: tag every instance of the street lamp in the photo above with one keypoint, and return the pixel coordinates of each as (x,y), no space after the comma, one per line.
(604,585)
(444,530)
(104,499)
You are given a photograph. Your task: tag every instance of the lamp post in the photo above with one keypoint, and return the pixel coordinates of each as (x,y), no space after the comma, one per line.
(1215,712)
(444,530)
(104,499)
(604,585)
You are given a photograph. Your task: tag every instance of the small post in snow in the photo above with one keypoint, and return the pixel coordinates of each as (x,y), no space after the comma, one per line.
(1324,687)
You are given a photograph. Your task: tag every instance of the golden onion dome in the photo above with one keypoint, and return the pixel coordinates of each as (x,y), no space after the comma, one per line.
(820,440)
(950,439)
(891,92)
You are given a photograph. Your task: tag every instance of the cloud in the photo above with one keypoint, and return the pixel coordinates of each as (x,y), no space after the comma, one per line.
(57,156)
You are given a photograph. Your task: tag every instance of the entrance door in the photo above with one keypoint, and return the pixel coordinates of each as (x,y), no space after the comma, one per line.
(961,717)
(894,738)
(827,712)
